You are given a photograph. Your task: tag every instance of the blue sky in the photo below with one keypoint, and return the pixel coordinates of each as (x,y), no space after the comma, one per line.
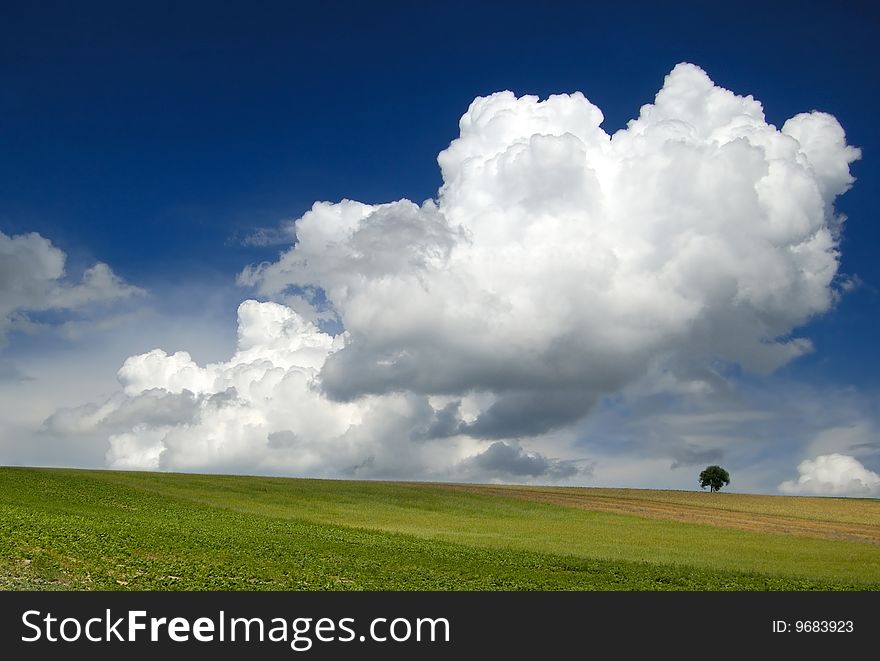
(156,138)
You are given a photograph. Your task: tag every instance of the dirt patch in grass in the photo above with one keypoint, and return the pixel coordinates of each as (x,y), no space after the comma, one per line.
(711,513)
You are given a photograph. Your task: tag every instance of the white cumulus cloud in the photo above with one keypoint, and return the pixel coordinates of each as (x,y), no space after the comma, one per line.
(32,279)
(262,410)
(833,475)
(557,265)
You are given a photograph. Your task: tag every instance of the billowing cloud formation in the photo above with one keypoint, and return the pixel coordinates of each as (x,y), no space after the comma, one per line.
(560,259)
(510,462)
(557,265)
(32,280)
(263,411)
(833,475)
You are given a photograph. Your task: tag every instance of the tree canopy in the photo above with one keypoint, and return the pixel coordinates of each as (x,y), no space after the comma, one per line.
(714,477)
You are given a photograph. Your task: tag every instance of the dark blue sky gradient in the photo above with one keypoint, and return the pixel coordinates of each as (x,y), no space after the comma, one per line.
(147,135)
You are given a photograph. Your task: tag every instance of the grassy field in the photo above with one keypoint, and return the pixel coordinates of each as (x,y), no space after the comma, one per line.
(68,529)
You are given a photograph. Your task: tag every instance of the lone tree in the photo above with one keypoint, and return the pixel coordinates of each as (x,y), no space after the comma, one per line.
(714,477)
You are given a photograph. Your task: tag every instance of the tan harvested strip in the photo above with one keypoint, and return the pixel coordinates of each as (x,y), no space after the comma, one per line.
(677,511)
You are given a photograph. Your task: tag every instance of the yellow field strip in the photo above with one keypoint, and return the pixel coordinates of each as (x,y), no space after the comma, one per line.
(821,518)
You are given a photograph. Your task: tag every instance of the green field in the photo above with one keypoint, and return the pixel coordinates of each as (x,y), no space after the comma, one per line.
(103,530)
